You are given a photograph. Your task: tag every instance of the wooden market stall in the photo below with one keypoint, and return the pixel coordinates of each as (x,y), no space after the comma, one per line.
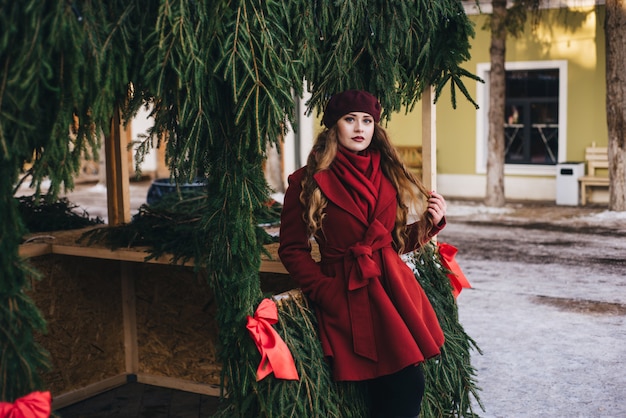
(114,317)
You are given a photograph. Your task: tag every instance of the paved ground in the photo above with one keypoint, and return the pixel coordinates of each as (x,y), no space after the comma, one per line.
(547,307)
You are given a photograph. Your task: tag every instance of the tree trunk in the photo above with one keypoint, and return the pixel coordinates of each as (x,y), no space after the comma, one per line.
(615,32)
(495,143)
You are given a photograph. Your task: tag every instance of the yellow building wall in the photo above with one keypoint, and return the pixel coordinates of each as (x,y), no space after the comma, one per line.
(562,34)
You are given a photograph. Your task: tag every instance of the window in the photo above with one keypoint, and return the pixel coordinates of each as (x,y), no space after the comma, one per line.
(531,125)
(534,126)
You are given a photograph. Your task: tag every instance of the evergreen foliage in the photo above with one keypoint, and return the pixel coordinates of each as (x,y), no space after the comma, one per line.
(394,49)
(316,394)
(21,358)
(451,378)
(39,215)
(221,77)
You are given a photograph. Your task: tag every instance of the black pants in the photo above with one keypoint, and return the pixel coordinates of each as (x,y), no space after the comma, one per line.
(397,395)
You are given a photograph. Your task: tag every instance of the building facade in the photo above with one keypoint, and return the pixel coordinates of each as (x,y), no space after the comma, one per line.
(555,107)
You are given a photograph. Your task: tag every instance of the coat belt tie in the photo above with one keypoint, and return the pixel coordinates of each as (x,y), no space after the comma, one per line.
(360,268)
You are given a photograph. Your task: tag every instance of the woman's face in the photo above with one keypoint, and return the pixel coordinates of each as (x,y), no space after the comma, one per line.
(355,131)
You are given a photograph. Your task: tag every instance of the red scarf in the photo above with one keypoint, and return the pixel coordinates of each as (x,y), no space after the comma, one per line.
(360,176)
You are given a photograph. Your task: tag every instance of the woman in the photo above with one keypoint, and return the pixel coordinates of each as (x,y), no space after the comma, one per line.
(353,197)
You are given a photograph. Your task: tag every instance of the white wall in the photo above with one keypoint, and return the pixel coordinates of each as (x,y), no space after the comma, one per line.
(140,125)
(297,146)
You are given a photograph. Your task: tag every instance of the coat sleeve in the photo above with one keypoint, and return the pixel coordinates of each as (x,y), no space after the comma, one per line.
(294,249)
(413,242)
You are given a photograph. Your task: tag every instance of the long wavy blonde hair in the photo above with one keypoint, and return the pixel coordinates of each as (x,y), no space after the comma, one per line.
(411,193)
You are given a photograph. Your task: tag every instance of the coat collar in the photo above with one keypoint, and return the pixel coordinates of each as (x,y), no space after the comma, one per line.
(331,186)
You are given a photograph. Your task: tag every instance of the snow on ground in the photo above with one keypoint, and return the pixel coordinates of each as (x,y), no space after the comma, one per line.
(460,209)
(547,307)
(605,216)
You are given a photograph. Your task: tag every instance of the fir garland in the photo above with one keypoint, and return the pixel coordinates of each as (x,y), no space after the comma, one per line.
(450,379)
(22,359)
(39,215)
(316,394)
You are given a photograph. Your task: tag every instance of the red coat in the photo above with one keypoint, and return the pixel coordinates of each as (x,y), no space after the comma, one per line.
(374,317)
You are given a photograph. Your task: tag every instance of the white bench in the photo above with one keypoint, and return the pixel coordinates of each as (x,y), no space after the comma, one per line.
(595,158)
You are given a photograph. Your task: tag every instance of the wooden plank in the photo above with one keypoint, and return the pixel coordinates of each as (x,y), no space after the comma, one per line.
(587,182)
(129,313)
(596,154)
(162,170)
(593,153)
(34,250)
(118,192)
(178,384)
(185,404)
(272,266)
(69,398)
(72,243)
(594,181)
(429,141)
(596,158)
(137,255)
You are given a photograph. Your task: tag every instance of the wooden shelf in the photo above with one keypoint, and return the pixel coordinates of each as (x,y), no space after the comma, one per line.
(58,243)
(35,250)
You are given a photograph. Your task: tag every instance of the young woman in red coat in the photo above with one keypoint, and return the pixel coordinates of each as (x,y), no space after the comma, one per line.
(353,197)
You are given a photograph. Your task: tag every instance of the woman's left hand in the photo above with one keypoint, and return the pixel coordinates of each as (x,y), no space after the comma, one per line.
(436,207)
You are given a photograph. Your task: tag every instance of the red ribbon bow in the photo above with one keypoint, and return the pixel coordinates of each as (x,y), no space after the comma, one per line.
(457,278)
(33,405)
(275,355)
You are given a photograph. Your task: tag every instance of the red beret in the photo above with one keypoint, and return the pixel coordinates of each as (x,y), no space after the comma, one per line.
(350,101)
